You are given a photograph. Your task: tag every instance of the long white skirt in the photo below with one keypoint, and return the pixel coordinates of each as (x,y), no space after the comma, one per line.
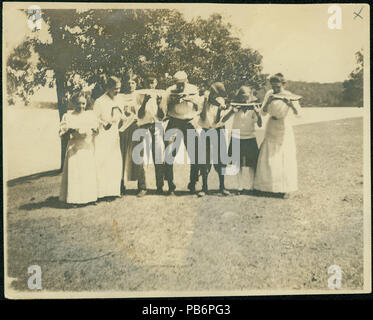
(79,182)
(108,162)
(277,163)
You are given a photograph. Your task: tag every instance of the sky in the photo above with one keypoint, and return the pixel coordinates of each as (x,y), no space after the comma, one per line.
(293,39)
(296,40)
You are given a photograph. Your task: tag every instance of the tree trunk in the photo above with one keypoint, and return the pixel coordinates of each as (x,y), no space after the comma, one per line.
(62,108)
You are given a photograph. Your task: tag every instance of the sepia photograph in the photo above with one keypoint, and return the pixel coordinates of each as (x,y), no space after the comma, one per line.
(186,150)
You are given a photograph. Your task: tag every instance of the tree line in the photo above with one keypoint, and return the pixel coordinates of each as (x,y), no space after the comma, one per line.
(315,94)
(348,93)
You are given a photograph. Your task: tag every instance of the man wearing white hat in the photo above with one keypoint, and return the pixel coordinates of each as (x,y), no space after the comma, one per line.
(183,106)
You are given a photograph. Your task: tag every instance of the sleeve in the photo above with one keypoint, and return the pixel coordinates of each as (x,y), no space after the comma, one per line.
(129,108)
(96,121)
(203,108)
(297,107)
(130,103)
(63,125)
(195,97)
(97,109)
(94,124)
(126,122)
(165,101)
(163,104)
(116,114)
(224,112)
(254,117)
(201,103)
(265,100)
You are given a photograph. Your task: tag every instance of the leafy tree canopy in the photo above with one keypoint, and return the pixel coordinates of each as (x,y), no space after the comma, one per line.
(89,45)
(354,85)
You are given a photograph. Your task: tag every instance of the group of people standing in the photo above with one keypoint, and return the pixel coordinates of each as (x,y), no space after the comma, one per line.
(99,155)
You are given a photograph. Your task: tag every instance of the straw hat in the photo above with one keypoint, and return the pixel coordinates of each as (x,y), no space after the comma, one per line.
(180,76)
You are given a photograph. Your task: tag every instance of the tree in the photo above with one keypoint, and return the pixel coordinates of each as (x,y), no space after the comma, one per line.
(354,86)
(87,46)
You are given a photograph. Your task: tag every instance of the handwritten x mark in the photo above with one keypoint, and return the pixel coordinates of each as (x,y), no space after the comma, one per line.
(358,14)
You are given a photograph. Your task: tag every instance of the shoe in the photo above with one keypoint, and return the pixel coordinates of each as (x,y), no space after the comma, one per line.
(225,192)
(159,191)
(192,187)
(122,187)
(171,189)
(201,194)
(122,190)
(141,193)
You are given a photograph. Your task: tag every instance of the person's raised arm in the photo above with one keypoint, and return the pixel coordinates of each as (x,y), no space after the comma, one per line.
(95,124)
(266,101)
(231,112)
(218,115)
(141,113)
(64,129)
(204,110)
(97,109)
(259,120)
(160,112)
(168,101)
(295,106)
(192,96)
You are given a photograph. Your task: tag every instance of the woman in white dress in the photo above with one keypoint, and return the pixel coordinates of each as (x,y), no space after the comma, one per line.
(277,164)
(79,182)
(108,109)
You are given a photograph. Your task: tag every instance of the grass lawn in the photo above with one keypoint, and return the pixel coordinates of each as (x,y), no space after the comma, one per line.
(177,243)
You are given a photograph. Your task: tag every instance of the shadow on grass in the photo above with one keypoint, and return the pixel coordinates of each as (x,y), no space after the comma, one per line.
(183,193)
(35,176)
(52,202)
(153,192)
(253,193)
(263,194)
